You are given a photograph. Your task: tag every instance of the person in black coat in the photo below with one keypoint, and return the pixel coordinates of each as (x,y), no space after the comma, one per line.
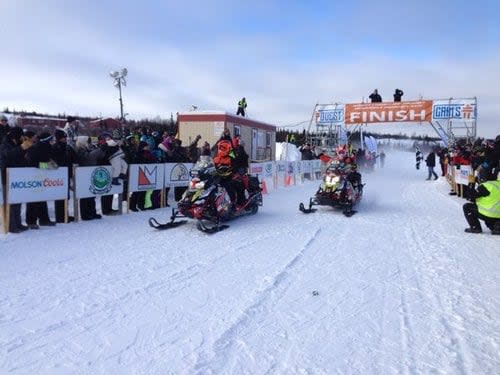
(397,95)
(64,155)
(13,155)
(85,159)
(430,161)
(40,156)
(4,127)
(240,167)
(375,97)
(100,156)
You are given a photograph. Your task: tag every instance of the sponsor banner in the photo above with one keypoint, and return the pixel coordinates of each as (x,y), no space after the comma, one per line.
(366,113)
(329,114)
(262,170)
(316,165)
(461,109)
(269,169)
(95,181)
(144,177)
(34,184)
(462,174)
(307,166)
(281,168)
(177,174)
(256,169)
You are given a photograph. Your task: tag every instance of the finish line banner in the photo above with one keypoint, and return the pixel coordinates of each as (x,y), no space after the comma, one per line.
(370,113)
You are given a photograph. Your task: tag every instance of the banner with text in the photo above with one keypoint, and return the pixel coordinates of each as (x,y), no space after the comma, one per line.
(369,113)
(329,114)
(454,109)
(462,174)
(34,184)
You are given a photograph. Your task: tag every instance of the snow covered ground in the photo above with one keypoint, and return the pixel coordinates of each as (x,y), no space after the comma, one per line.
(397,288)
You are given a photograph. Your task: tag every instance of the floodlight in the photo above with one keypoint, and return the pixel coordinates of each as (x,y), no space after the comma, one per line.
(118,82)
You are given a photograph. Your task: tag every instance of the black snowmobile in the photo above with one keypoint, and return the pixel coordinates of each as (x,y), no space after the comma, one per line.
(340,188)
(207,200)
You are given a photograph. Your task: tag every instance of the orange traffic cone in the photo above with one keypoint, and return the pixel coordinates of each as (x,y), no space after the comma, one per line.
(263,187)
(288,180)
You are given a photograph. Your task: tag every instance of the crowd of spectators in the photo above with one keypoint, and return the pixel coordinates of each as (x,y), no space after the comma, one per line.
(64,147)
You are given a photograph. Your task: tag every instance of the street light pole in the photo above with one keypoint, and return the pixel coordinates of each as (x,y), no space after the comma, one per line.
(121,101)
(118,81)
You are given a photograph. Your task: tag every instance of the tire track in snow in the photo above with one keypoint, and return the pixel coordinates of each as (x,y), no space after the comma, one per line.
(446,263)
(227,344)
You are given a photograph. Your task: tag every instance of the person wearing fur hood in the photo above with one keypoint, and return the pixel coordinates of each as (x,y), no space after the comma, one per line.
(116,158)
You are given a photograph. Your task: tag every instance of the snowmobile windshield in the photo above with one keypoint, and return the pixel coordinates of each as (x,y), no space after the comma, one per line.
(203,168)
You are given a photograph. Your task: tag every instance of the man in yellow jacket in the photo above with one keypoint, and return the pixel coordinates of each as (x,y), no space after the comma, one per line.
(486,206)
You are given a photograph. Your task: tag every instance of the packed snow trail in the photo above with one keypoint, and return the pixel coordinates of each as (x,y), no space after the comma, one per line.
(400,289)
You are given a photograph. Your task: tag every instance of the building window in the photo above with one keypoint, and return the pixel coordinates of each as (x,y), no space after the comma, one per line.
(268,139)
(237,130)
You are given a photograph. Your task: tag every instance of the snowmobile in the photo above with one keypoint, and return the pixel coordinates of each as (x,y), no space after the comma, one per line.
(340,188)
(208,201)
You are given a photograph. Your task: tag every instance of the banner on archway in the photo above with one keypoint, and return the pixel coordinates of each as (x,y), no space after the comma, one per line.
(410,111)
(371,113)
(454,109)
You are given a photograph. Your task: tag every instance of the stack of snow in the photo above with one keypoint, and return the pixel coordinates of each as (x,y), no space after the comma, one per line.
(287,151)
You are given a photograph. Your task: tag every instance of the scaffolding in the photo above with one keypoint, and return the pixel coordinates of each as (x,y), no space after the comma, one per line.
(452,119)
(325,135)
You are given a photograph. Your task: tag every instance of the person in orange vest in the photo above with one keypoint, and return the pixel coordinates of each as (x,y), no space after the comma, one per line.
(223,161)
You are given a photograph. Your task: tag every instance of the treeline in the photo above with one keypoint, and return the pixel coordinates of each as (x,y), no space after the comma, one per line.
(156,123)
(299,137)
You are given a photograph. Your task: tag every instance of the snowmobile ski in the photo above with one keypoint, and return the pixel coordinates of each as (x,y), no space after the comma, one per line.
(210,229)
(349,213)
(161,226)
(306,210)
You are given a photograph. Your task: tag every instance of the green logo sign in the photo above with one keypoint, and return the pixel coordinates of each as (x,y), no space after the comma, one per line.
(100,181)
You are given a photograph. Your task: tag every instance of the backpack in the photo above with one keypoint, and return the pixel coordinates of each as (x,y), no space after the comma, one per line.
(224,153)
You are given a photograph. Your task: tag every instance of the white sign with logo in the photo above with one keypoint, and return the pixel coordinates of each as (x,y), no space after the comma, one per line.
(454,109)
(95,181)
(144,177)
(316,165)
(177,174)
(34,184)
(329,114)
(462,174)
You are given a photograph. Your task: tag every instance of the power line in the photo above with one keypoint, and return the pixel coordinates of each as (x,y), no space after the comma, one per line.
(294,125)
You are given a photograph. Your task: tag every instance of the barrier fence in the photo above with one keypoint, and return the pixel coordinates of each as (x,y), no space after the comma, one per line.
(24,185)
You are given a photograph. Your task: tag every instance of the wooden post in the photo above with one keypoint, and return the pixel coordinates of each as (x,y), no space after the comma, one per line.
(76,212)
(6,208)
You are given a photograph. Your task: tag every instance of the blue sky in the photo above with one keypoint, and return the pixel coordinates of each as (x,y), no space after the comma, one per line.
(283,56)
